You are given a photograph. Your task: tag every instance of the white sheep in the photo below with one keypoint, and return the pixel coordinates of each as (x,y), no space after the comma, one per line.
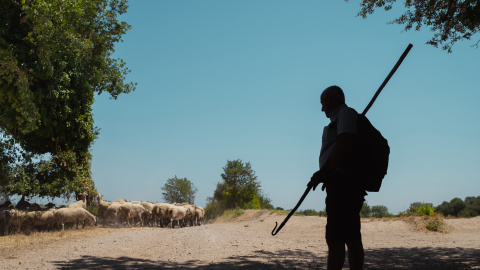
(120,201)
(102,208)
(112,212)
(148,214)
(199,215)
(178,213)
(82,203)
(42,218)
(14,219)
(161,214)
(189,217)
(130,210)
(67,215)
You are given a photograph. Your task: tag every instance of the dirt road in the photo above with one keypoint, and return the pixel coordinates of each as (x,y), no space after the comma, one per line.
(247,243)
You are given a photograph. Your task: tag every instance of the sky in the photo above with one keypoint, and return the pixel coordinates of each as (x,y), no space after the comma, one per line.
(226,80)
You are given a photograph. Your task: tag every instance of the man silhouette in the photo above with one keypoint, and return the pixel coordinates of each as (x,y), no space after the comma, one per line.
(345,196)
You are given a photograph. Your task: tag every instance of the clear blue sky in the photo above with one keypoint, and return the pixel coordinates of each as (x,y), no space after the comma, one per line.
(224,80)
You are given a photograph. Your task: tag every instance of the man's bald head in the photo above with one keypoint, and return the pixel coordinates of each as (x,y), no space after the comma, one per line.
(335,94)
(331,98)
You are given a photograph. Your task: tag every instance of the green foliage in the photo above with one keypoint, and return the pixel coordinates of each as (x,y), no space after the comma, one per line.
(179,190)
(435,224)
(366,210)
(232,213)
(459,208)
(54,57)
(451,21)
(420,208)
(379,211)
(308,212)
(425,210)
(239,189)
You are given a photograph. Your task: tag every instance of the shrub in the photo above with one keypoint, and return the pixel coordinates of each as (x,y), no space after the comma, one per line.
(425,210)
(435,224)
(308,212)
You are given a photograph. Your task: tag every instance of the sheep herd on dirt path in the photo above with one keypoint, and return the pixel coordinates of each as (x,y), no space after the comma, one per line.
(118,213)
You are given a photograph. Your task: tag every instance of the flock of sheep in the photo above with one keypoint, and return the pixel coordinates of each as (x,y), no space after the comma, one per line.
(111,213)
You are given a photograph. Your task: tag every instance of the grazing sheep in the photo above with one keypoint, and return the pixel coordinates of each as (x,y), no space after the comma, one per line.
(148,214)
(189,217)
(67,215)
(82,203)
(199,215)
(120,201)
(178,213)
(112,212)
(130,210)
(102,208)
(161,214)
(13,219)
(42,218)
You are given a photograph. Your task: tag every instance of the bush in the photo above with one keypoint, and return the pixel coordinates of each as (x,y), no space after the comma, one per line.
(308,212)
(425,210)
(366,210)
(435,224)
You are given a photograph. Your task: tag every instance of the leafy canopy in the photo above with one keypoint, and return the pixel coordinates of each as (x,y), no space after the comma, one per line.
(179,190)
(54,56)
(239,189)
(450,20)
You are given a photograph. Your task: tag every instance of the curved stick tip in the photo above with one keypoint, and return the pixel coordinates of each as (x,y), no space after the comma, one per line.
(273,232)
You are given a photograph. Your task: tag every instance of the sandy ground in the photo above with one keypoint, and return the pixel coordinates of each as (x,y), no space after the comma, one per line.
(247,243)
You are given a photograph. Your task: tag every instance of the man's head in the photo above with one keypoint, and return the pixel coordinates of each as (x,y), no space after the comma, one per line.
(331,98)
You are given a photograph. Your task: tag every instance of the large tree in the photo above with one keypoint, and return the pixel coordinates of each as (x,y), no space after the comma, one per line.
(179,190)
(54,56)
(450,20)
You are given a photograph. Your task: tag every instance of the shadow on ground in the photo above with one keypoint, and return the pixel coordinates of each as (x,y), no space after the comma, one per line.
(386,258)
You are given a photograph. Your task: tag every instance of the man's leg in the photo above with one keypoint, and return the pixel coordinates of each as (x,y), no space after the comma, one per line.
(336,255)
(355,254)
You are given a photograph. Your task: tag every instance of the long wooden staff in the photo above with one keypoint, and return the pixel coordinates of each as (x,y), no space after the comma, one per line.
(364,112)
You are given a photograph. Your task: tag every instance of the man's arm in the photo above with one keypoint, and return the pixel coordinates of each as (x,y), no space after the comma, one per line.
(343,148)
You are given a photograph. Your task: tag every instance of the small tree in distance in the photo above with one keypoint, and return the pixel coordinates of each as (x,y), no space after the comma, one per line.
(239,189)
(179,190)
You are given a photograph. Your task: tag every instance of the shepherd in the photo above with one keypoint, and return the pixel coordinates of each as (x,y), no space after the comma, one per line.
(345,194)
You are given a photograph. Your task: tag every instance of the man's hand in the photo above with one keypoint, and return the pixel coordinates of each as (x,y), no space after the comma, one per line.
(316,179)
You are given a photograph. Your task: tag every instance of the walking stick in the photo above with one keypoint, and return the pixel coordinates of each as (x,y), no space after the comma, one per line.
(400,60)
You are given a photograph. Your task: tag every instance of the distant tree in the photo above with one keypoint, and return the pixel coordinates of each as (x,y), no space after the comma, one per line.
(473,205)
(459,208)
(414,207)
(179,190)
(366,211)
(380,211)
(450,20)
(309,212)
(239,189)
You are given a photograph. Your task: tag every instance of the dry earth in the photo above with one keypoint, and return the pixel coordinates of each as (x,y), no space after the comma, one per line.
(247,243)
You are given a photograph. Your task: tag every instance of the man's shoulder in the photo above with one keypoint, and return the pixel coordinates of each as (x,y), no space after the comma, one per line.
(347,112)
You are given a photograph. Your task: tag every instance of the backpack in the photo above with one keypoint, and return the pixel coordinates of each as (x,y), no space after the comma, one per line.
(373,155)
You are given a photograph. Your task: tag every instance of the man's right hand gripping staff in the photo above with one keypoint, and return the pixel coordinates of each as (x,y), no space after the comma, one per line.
(317,178)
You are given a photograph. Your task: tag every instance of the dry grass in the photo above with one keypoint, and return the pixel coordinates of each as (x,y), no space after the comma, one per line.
(432,223)
(37,240)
